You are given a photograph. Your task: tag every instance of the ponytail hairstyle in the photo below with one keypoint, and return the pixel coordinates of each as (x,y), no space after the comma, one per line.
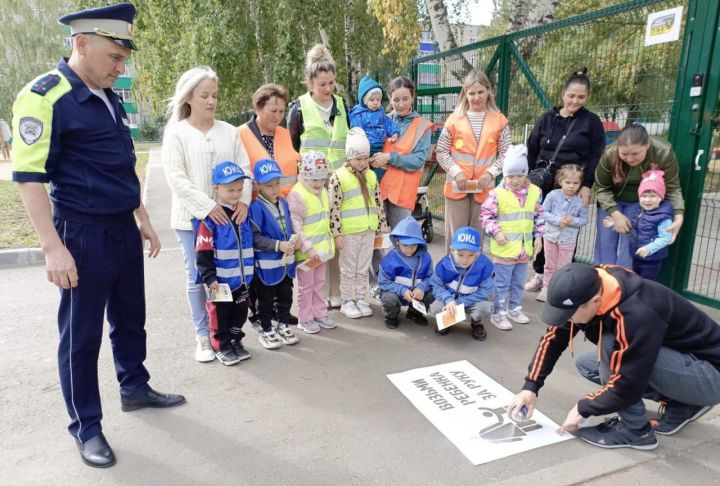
(578,77)
(318,60)
(178,108)
(473,77)
(630,135)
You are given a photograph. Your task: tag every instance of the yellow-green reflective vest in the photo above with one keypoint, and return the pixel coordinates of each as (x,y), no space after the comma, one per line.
(316,224)
(516,223)
(316,136)
(354,217)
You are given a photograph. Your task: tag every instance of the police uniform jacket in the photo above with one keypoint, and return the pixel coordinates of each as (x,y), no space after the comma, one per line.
(65,135)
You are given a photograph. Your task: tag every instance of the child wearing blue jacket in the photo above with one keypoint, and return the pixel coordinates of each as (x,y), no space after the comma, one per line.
(405,274)
(465,276)
(224,255)
(269,216)
(369,115)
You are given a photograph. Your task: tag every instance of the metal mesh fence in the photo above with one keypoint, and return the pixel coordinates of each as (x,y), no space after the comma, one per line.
(632,83)
(704,277)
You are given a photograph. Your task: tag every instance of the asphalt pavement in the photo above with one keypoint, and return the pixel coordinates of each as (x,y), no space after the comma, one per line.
(321,412)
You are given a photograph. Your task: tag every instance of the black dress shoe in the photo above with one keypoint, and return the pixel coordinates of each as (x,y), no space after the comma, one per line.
(96,452)
(151,399)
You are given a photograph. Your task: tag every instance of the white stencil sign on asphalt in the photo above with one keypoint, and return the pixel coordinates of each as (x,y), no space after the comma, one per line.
(468,407)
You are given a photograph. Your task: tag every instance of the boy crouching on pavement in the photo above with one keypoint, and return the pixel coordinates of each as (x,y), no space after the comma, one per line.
(465,276)
(405,274)
(224,255)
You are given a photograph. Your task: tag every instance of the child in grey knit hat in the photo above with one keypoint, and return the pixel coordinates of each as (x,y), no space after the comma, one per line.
(512,215)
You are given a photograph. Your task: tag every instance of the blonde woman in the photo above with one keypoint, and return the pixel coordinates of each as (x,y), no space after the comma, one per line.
(471,150)
(193,144)
(318,122)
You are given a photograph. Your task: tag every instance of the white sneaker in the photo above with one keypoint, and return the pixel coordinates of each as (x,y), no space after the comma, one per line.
(285,334)
(535,283)
(325,322)
(542,296)
(204,352)
(334,302)
(270,340)
(518,315)
(350,310)
(500,321)
(310,327)
(364,308)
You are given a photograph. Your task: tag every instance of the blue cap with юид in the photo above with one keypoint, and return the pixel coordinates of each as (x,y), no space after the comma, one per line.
(466,238)
(266,170)
(227,172)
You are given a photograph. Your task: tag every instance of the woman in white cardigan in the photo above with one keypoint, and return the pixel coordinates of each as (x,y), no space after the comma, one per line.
(193,144)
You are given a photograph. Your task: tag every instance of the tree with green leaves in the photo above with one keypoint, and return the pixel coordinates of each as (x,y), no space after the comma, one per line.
(32,41)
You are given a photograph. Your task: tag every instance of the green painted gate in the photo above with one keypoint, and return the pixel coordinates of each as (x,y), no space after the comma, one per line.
(632,83)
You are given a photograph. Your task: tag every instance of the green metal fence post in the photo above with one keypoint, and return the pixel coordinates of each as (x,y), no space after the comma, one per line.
(691,130)
(503,88)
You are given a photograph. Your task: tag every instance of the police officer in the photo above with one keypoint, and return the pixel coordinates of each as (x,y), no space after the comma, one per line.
(72,132)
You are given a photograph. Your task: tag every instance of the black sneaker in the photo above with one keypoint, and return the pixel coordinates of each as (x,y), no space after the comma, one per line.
(391,322)
(675,415)
(416,317)
(239,350)
(614,434)
(478,331)
(227,356)
(443,332)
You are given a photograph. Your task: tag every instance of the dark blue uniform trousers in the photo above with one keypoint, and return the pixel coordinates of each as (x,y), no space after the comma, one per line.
(109,259)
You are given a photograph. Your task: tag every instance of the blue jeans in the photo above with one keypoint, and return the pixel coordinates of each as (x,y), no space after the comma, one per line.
(612,247)
(195,291)
(509,286)
(676,376)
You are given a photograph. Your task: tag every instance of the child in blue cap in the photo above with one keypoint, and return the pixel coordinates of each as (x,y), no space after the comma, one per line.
(465,276)
(275,247)
(405,274)
(224,254)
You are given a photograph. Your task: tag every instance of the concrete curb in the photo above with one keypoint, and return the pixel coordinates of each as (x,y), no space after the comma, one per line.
(20,257)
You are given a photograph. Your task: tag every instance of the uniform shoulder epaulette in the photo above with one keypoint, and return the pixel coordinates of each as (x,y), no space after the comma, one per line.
(44,84)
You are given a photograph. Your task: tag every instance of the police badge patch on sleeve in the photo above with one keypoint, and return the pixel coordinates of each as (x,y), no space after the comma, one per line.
(30,129)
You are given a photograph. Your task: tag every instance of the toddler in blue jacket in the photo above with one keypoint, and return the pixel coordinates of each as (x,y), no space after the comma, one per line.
(405,274)
(465,276)
(369,115)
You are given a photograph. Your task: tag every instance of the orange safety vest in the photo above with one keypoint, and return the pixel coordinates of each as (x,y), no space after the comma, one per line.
(399,185)
(474,158)
(285,155)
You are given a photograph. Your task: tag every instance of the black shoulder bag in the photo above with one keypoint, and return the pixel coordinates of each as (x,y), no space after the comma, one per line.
(542,175)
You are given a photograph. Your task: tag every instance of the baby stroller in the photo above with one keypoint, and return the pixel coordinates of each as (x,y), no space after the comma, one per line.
(422,213)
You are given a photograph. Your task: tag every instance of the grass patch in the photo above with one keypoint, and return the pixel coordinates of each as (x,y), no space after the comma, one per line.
(146,146)
(16,230)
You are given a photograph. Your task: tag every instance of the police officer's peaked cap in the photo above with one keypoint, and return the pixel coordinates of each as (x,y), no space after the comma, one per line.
(113,22)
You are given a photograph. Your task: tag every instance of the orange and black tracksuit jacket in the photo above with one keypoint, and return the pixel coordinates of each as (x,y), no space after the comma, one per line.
(643,316)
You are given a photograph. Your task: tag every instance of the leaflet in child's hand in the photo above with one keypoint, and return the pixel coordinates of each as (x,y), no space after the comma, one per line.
(288,258)
(445,320)
(382,242)
(311,263)
(419,306)
(222,294)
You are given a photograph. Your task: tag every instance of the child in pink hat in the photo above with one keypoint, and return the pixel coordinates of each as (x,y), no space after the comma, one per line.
(650,218)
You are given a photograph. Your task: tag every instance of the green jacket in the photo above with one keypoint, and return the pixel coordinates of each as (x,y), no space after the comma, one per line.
(660,155)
